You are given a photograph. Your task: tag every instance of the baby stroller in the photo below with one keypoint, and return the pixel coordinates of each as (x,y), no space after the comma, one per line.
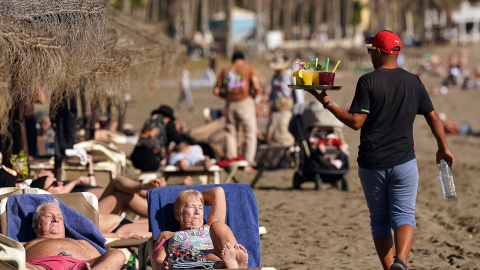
(323,153)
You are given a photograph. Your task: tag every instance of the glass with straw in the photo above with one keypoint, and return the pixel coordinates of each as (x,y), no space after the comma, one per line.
(326,77)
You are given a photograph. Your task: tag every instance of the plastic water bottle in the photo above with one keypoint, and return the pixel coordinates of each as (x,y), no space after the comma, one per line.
(50,142)
(446,179)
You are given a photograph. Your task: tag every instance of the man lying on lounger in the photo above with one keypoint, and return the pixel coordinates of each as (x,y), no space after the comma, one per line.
(52,250)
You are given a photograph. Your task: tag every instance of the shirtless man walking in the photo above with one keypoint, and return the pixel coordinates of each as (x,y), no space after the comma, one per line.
(52,250)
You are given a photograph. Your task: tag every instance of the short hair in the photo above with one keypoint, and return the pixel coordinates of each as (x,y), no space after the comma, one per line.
(183,197)
(39,208)
(396,48)
(237,55)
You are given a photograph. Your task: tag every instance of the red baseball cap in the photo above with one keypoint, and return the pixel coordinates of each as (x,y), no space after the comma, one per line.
(386,41)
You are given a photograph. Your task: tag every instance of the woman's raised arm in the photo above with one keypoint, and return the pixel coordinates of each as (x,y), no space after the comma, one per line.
(216,198)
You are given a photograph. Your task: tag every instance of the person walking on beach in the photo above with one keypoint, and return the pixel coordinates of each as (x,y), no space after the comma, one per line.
(233,84)
(185,88)
(385,105)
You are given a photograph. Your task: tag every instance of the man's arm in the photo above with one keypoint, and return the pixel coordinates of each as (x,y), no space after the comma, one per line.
(438,131)
(256,85)
(216,198)
(354,121)
(82,180)
(216,89)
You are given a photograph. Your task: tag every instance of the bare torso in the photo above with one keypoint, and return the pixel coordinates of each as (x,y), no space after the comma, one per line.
(39,248)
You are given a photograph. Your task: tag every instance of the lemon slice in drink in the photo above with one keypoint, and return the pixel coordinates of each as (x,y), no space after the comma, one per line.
(300,73)
(294,72)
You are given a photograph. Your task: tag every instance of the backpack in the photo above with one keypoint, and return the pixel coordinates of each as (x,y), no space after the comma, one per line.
(154,135)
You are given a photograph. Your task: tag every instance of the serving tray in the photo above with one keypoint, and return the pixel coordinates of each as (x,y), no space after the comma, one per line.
(315,87)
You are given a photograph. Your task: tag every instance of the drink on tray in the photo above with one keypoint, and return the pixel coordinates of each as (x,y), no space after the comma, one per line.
(326,78)
(298,80)
(307,76)
(316,78)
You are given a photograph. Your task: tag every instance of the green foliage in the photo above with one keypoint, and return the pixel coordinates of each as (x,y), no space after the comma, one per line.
(357,13)
(312,65)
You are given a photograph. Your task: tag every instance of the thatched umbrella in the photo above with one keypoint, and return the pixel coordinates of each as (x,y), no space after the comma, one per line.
(137,54)
(49,43)
(69,45)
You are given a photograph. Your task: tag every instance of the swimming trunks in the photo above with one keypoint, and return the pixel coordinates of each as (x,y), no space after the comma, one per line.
(123,222)
(59,263)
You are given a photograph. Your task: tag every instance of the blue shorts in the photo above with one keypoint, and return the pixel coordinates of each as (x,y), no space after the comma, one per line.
(390,194)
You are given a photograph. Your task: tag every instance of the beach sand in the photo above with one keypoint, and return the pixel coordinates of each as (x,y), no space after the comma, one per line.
(329,228)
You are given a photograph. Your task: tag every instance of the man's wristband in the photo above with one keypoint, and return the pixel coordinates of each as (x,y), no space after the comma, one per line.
(91,174)
(326,104)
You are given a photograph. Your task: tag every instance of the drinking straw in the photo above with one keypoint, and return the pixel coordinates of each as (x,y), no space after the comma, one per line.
(316,61)
(335,68)
(298,63)
(326,67)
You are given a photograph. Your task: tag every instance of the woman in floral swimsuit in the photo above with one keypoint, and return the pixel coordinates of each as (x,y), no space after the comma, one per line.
(211,244)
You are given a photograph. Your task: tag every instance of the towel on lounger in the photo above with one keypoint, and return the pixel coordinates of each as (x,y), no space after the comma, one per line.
(242,214)
(20,210)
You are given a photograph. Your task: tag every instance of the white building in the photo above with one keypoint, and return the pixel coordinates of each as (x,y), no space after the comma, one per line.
(467,21)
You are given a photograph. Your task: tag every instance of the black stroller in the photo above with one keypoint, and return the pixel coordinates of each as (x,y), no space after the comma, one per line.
(320,161)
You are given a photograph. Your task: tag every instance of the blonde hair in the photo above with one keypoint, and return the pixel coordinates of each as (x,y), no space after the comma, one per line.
(284,103)
(182,198)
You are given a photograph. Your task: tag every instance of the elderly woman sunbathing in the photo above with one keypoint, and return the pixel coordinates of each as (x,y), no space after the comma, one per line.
(197,242)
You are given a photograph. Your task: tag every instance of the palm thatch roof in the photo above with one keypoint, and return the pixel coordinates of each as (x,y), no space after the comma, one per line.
(61,43)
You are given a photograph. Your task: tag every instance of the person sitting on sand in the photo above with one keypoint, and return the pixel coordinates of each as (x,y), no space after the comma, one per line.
(456,128)
(197,242)
(52,250)
(185,155)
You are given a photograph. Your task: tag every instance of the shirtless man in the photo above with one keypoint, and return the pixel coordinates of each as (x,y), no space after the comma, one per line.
(52,250)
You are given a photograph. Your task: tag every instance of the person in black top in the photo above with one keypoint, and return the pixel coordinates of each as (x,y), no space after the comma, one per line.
(151,147)
(178,135)
(384,107)
(157,134)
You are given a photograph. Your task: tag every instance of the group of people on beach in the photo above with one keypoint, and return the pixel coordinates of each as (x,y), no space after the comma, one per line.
(456,74)
(384,107)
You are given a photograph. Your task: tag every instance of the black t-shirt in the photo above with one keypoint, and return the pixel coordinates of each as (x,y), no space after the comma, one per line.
(392,98)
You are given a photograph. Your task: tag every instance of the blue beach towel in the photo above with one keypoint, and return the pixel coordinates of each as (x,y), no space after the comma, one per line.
(20,210)
(242,214)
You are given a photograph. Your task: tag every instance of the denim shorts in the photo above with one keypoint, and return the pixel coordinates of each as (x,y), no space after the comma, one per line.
(390,194)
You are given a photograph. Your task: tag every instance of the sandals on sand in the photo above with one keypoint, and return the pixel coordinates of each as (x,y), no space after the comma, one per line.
(398,264)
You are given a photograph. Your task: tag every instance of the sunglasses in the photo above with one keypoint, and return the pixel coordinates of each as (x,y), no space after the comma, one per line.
(55,183)
(370,49)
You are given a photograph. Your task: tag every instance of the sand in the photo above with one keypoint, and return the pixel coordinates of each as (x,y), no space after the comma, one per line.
(329,228)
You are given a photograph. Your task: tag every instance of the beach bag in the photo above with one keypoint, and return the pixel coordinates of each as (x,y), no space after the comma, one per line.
(154,135)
